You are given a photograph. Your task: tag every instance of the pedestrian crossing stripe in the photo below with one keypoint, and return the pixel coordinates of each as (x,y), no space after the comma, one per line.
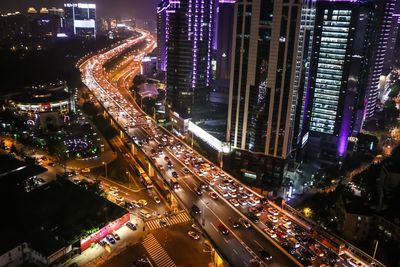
(157,252)
(170,220)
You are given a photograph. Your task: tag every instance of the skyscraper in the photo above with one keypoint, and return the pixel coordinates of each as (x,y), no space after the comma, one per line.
(380,28)
(188,26)
(80,19)
(347,60)
(265,47)
(343,68)
(222,43)
(162,34)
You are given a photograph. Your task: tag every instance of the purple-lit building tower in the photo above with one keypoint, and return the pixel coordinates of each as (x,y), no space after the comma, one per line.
(346,62)
(188,43)
(380,30)
(162,34)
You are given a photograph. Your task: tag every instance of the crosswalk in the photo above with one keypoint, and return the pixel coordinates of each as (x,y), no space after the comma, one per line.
(156,252)
(180,217)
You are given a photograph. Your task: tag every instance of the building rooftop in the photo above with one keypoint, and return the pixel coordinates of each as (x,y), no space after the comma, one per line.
(51,216)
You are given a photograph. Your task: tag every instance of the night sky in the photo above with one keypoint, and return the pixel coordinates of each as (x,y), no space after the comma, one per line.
(144,9)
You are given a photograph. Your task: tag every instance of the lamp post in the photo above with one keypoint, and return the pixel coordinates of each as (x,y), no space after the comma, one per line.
(105,167)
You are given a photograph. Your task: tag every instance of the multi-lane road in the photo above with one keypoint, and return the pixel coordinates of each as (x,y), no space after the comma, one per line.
(271,229)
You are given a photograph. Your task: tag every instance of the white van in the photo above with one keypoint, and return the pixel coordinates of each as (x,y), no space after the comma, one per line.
(144,213)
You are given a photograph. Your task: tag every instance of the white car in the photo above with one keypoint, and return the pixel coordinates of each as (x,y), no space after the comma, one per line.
(232,194)
(113,188)
(270,232)
(113,193)
(252,202)
(234,202)
(232,188)
(273,211)
(272,218)
(222,186)
(223,193)
(157,199)
(242,202)
(286,221)
(119,199)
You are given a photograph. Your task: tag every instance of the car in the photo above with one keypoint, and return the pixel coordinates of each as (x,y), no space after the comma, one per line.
(235,224)
(163,223)
(354,262)
(244,222)
(128,205)
(85,170)
(253,217)
(161,167)
(232,194)
(193,235)
(113,188)
(157,199)
(213,195)
(242,202)
(222,228)
(281,234)
(238,186)
(286,221)
(185,170)
(102,243)
(198,191)
(113,193)
(265,255)
(234,202)
(174,174)
(271,225)
(203,185)
(110,239)
(196,210)
(119,199)
(136,204)
(232,188)
(270,232)
(142,202)
(222,186)
(273,219)
(223,193)
(251,202)
(273,211)
(248,193)
(116,236)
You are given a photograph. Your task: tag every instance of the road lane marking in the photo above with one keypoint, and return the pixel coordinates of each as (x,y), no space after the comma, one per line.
(258,243)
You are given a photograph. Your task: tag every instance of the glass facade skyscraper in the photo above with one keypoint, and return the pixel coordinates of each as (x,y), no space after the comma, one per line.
(188,41)
(263,71)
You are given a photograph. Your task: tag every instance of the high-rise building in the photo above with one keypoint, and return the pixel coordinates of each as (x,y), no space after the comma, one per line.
(380,28)
(347,59)
(390,59)
(222,40)
(162,34)
(80,19)
(188,26)
(263,72)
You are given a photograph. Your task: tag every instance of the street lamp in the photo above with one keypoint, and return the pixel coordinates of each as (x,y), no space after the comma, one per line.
(105,167)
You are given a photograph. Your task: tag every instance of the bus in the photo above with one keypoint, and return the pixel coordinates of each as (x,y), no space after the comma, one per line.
(144,178)
(174,183)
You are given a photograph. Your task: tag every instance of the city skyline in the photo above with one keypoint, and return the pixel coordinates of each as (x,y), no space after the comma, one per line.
(200,133)
(123,8)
